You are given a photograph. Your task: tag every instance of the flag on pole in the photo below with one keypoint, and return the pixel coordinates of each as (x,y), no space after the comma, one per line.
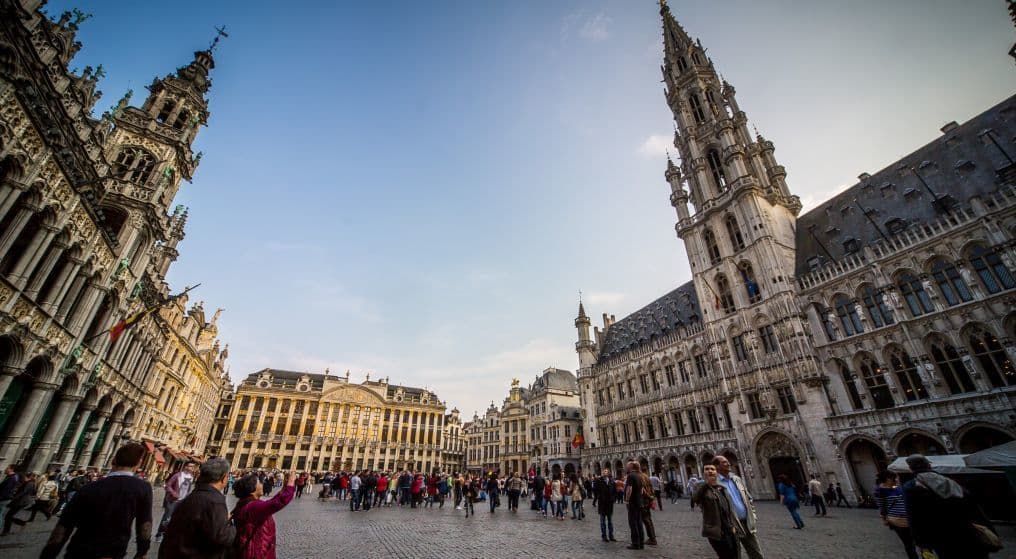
(577,440)
(117,329)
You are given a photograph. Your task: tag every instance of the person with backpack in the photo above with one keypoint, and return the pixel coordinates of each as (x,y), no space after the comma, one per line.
(943,517)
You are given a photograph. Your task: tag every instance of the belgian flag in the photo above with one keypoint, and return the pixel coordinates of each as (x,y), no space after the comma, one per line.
(577,440)
(117,329)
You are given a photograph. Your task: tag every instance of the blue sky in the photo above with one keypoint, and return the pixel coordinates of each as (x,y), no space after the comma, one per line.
(419,190)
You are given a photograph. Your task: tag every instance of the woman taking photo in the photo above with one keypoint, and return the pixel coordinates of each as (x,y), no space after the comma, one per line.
(719,524)
(788,498)
(255,527)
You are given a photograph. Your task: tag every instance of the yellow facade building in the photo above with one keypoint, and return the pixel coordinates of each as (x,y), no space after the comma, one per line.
(319,422)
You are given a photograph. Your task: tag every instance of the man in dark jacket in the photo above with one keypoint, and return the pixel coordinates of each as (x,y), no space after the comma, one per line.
(943,514)
(200,526)
(538,485)
(603,489)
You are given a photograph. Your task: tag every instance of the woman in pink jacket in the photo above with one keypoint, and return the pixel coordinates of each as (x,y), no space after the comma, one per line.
(255,527)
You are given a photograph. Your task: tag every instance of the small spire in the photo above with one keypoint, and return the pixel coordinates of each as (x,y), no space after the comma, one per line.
(220,33)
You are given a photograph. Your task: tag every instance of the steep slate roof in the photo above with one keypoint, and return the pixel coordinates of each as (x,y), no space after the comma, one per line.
(959,164)
(556,379)
(317,380)
(662,316)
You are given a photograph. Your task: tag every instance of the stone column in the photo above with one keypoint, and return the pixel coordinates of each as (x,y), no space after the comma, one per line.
(86,455)
(33,253)
(8,196)
(44,269)
(7,374)
(47,446)
(62,285)
(17,224)
(84,312)
(21,432)
(66,301)
(108,445)
(67,454)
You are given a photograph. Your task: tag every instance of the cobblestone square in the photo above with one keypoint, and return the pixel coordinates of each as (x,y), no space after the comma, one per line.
(309,528)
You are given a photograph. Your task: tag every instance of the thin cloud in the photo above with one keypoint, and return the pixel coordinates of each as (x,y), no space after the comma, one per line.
(593,28)
(656,145)
(606,298)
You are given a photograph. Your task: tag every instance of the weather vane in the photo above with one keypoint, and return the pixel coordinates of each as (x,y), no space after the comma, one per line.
(220,33)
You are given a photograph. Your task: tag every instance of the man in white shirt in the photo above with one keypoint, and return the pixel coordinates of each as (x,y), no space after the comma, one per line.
(815,488)
(354,488)
(654,480)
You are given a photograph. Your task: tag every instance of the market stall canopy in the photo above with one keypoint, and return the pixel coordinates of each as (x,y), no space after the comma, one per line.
(1001,456)
(945,464)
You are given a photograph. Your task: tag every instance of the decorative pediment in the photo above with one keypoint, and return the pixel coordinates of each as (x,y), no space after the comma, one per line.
(353,394)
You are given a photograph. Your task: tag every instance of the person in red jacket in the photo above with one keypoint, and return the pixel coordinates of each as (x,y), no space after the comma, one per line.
(301,482)
(255,525)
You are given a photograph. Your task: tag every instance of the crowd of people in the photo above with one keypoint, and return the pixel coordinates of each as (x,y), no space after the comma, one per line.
(933,515)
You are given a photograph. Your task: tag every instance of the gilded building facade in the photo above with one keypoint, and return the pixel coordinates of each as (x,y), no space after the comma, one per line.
(319,422)
(86,239)
(878,324)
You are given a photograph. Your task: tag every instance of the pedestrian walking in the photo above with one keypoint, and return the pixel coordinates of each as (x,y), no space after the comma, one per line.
(743,506)
(254,518)
(648,504)
(788,498)
(840,497)
(633,492)
(355,484)
(301,483)
(22,500)
(892,508)
(11,482)
(98,520)
(604,490)
(200,526)
(514,491)
(578,493)
(815,489)
(177,489)
(693,483)
(45,498)
(657,484)
(471,492)
(557,496)
(720,525)
(944,519)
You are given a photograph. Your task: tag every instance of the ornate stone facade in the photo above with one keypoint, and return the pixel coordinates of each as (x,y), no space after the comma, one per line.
(86,238)
(879,324)
(552,401)
(315,422)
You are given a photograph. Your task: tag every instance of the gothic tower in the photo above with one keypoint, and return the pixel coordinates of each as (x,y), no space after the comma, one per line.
(739,232)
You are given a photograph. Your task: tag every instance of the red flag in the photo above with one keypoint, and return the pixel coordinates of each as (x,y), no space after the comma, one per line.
(577,441)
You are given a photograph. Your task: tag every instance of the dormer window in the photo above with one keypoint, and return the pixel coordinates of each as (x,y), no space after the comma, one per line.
(896,226)
(851,245)
(167,109)
(814,263)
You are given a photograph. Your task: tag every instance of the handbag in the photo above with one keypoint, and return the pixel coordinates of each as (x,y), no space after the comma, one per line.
(987,539)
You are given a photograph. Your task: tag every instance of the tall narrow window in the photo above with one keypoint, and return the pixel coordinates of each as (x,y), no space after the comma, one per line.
(734,231)
(726,299)
(989,267)
(874,302)
(906,373)
(754,406)
(167,109)
(876,383)
(787,402)
(740,351)
(134,164)
(719,176)
(847,313)
(700,365)
(696,108)
(950,366)
(992,358)
(850,386)
(682,64)
(768,337)
(711,246)
(950,283)
(913,292)
(750,284)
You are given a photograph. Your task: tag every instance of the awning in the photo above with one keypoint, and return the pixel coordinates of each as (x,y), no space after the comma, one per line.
(196,459)
(945,464)
(1001,456)
(159,457)
(150,447)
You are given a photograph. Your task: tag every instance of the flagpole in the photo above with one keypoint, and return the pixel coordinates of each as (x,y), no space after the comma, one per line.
(148,310)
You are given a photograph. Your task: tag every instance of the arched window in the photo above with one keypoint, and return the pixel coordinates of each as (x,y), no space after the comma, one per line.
(871,372)
(992,358)
(912,290)
(826,316)
(726,299)
(874,302)
(750,284)
(734,231)
(682,64)
(847,313)
(850,386)
(716,169)
(950,283)
(993,273)
(711,247)
(134,164)
(167,109)
(696,109)
(950,366)
(906,373)
(696,57)
(181,120)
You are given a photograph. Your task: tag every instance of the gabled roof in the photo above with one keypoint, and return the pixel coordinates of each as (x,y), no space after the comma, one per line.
(960,164)
(664,315)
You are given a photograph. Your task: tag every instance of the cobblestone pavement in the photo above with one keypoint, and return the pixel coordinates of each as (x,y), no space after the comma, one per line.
(311,529)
